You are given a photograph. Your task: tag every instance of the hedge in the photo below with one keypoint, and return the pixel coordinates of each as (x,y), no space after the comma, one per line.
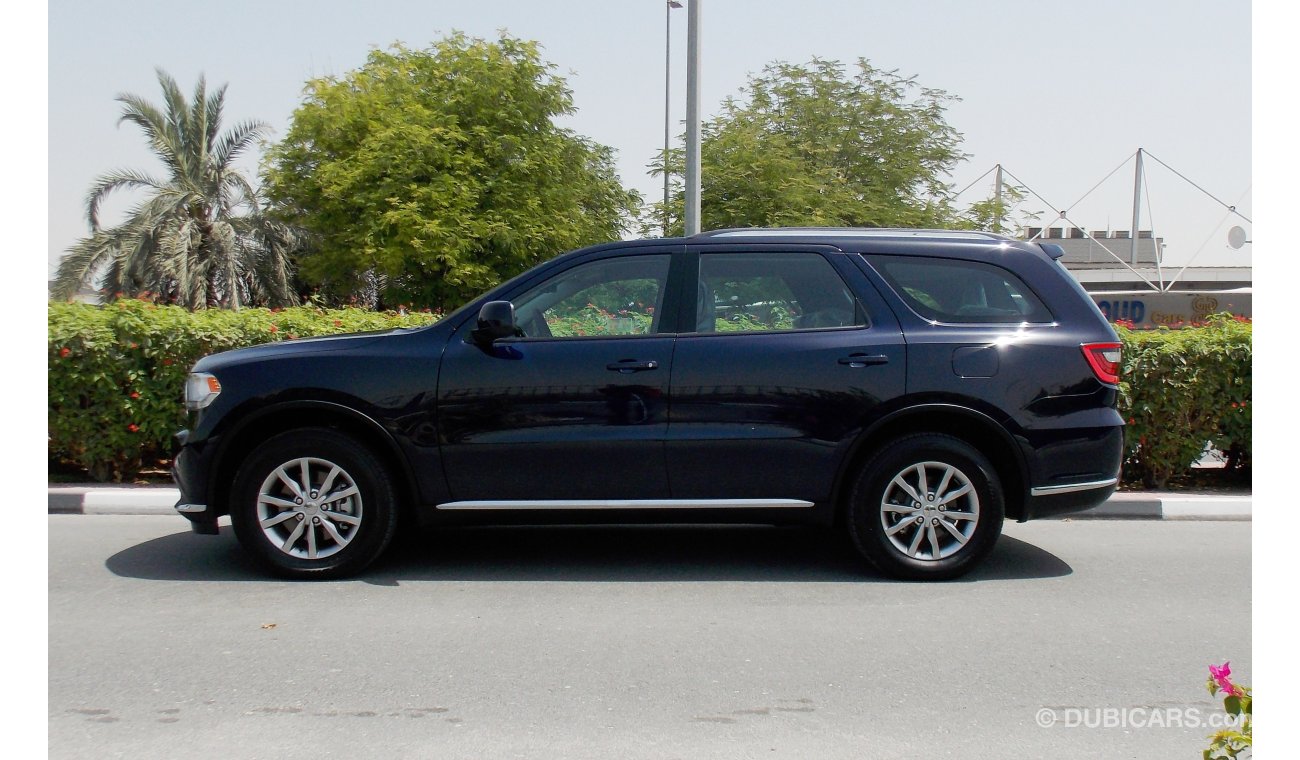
(116,375)
(1181,389)
(117,372)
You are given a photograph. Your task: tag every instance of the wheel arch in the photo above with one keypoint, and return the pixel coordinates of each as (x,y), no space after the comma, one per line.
(263,423)
(970,425)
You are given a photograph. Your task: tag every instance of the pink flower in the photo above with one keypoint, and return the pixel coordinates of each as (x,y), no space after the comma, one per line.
(1220,675)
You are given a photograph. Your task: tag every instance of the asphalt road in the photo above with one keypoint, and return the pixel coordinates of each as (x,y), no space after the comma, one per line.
(643,643)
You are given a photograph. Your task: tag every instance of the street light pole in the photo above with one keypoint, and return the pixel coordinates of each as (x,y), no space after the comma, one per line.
(668,59)
(693,117)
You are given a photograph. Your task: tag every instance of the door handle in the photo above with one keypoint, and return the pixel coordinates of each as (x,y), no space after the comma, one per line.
(863,360)
(628,366)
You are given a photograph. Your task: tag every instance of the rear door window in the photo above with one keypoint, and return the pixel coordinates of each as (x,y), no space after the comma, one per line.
(955,290)
(772,292)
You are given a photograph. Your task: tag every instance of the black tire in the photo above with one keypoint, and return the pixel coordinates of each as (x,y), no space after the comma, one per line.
(888,537)
(345,534)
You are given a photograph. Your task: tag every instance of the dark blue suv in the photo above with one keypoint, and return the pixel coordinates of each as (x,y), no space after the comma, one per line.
(914,386)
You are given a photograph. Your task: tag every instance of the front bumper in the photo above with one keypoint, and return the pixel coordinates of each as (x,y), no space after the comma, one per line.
(190,470)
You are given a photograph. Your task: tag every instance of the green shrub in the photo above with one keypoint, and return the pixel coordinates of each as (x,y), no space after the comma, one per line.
(117,372)
(1181,389)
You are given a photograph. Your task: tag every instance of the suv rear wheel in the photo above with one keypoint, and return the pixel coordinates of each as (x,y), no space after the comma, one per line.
(313,503)
(926,507)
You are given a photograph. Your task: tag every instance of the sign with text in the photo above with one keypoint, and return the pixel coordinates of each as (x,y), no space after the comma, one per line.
(1148,309)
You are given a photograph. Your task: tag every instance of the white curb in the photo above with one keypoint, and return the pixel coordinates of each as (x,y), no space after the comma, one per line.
(130,501)
(1206,508)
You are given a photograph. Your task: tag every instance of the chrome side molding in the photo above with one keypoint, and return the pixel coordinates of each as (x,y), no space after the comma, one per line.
(631,504)
(191,507)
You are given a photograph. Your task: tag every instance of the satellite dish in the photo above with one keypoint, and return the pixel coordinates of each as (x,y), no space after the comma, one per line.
(1237,237)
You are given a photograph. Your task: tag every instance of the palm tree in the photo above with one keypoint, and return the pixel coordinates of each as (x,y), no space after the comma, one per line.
(200,237)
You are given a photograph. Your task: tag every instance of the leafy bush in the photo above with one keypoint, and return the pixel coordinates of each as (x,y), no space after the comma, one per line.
(1181,389)
(117,372)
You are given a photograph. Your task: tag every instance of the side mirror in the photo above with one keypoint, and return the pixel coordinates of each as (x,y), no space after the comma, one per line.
(495,320)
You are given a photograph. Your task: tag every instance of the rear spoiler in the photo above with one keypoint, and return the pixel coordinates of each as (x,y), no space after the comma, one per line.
(1052,249)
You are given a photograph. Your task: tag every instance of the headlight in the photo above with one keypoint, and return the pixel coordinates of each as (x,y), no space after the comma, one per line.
(201,389)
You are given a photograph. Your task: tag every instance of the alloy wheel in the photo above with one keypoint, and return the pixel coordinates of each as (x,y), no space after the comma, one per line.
(930,511)
(309,508)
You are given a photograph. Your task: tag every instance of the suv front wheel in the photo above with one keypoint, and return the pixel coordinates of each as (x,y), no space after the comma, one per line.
(926,507)
(313,503)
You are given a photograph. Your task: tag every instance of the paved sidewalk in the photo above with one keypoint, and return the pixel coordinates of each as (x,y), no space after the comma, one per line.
(98,499)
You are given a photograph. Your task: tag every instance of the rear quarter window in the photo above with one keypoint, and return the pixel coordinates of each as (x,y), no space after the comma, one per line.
(955,290)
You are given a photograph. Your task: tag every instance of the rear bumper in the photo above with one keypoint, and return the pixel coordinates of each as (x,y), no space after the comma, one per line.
(1049,501)
(1072,470)
(190,470)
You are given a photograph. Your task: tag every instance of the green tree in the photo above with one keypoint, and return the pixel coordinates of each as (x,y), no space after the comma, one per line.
(815,144)
(1005,215)
(426,176)
(198,238)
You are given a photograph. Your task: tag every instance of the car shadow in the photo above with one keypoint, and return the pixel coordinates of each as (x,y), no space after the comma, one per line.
(582,553)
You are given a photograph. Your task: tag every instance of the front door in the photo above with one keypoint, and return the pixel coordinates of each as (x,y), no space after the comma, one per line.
(577,409)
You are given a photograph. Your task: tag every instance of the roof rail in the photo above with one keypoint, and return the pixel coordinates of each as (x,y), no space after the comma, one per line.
(857,232)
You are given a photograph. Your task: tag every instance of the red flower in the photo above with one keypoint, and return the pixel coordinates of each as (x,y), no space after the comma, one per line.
(291,336)
(63,352)
(1132,421)
(134,428)
(274,328)
(134,345)
(168,362)
(135,394)
(338,323)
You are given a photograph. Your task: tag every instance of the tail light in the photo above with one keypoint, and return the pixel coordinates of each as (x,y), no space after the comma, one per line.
(1104,360)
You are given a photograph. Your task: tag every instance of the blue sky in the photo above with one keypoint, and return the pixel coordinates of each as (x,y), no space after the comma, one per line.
(1060,93)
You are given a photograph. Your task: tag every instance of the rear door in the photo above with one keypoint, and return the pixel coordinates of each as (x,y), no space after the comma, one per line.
(790,354)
